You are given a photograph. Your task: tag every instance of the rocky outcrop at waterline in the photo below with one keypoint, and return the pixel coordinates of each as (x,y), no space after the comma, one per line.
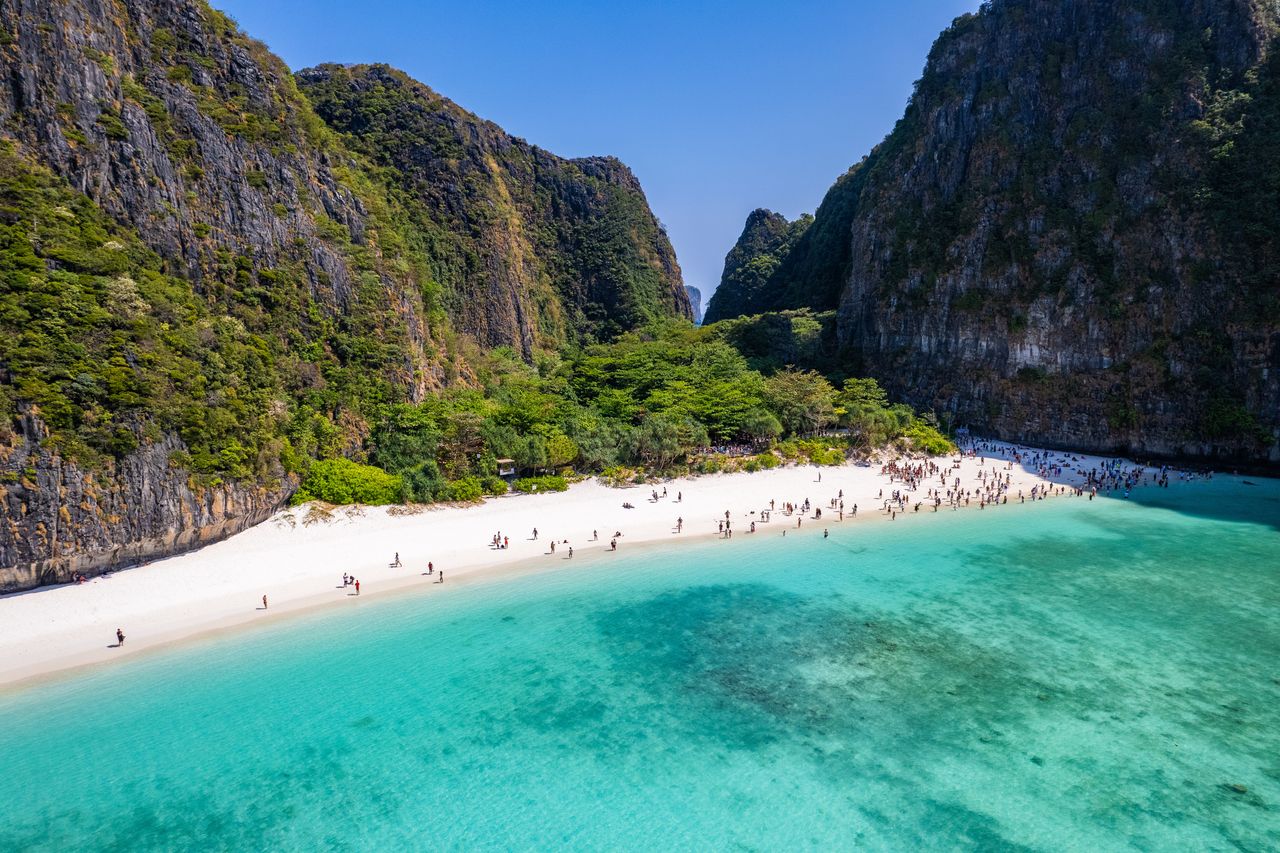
(58,519)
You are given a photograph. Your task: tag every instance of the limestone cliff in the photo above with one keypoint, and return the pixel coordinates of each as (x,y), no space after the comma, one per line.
(59,518)
(203,286)
(695,303)
(747,285)
(531,249)
(1071,236)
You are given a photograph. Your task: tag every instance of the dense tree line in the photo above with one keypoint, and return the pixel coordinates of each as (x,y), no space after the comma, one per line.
(669,398)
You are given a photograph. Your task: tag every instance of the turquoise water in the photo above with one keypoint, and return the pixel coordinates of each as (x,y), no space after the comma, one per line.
(1071,675)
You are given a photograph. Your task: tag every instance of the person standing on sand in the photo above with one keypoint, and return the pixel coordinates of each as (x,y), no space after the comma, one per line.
(535,534)
(357,587)
(120,638)
(430,567)
(264,602)
(441,578)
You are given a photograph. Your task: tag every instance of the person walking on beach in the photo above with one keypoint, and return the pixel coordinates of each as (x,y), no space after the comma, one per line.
(357,587)
(441,578)
(430,567)
(264,602)
(570,552)
(120,638)
(535,534)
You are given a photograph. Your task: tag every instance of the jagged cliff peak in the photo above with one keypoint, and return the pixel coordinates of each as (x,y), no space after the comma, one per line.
(531,248)
(749,268)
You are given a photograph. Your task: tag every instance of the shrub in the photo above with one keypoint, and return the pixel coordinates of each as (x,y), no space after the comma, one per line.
(541,484)
(768,460)
(493,485)
(341,481)
(465,489)
(112,126)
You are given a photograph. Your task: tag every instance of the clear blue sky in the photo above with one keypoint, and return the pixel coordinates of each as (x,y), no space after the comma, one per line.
(719,107)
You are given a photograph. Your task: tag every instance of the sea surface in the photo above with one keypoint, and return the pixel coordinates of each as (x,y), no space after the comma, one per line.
(1069,675)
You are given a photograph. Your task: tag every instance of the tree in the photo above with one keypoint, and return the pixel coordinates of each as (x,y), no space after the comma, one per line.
(561,450)
(761,425)
(862,393)
(802,399)
(531,454)
(656,442)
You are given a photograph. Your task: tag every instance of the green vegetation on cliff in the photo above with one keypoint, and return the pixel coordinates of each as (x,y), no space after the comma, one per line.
(109,350)
(1071,236)
(745,286)
(531,249)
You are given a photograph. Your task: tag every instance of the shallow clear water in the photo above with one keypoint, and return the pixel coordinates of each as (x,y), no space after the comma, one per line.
(1069,675)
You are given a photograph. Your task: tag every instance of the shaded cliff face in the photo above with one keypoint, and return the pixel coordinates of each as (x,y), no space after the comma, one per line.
(748,284)
(1071,236)
(203,286)
(531,249)
(59,518)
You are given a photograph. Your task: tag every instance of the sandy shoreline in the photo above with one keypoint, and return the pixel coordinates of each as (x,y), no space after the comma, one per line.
(299,565)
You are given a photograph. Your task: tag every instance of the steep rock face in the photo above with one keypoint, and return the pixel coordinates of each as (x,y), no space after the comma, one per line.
(58,519)
(181,127)
(695,303)
(531,249)
(203,286)
(1071,237)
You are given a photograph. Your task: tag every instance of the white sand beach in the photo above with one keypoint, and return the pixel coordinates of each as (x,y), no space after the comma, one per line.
(298,557)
